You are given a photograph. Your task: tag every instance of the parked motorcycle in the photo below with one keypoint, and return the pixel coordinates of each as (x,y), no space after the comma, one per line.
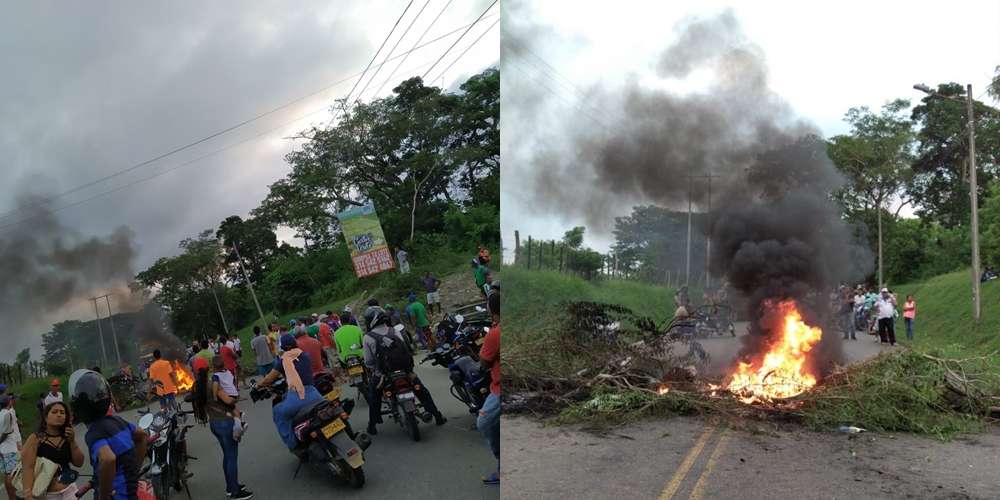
(401,403)
(357,374)
(167,451)
(469,383)
(323,429)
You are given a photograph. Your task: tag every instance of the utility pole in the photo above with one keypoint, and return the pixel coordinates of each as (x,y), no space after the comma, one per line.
(249,284)
(104,354)
(973,193)
(973,188)
(218,304)
(687,273)
(708,239)
(114,334)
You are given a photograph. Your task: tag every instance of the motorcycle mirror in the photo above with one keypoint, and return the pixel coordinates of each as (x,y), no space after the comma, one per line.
(399,327)
(459,319)
(145,421)
(486,329)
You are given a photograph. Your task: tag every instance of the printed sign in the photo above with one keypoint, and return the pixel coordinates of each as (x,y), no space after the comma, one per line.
(363,233)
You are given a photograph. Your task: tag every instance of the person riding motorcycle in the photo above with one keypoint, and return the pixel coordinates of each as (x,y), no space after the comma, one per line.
(378,334)
(295,367)
(117,448)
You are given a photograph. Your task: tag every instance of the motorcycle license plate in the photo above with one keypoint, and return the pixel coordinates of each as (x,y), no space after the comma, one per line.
(333,427)
(355,370)
(333,395)
(406,395)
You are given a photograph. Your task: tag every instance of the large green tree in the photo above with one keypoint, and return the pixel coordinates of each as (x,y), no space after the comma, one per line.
(941,165)
(875,158)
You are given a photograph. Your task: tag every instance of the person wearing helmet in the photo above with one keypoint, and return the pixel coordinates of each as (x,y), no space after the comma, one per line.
(347,317)
(385,350)
(117,448)
(296,368)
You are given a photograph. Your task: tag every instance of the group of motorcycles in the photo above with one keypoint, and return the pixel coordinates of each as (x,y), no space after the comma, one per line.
(326,439)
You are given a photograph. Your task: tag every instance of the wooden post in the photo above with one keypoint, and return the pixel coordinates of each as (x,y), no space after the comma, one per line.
(561,248)
(529,252)
(517,247)
(553,254)
(541,255)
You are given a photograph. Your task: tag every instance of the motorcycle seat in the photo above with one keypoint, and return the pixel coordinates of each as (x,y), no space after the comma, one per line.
(304,412)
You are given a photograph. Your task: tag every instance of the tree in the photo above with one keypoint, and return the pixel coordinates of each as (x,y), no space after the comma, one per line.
(574,238)
(875,157)
(256,244)
(941,163)
(653,241)
(23,357)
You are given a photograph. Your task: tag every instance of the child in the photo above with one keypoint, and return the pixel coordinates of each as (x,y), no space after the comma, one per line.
(228,383)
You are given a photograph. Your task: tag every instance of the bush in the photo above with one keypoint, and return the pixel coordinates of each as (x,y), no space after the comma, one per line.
(477,225)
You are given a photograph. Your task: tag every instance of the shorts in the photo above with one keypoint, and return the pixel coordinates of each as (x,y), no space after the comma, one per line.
(8,462)
(433,298)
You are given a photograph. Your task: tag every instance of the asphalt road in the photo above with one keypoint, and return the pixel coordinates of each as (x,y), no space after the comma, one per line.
(447,463)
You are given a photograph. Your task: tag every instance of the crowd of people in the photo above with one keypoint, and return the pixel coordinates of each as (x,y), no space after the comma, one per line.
(864,309)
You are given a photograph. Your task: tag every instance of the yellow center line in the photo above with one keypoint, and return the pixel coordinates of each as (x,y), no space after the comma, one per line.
(699,487)
(675,482)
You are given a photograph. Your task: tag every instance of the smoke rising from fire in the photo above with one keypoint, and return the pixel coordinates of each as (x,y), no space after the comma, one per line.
(49,271)
(775,232)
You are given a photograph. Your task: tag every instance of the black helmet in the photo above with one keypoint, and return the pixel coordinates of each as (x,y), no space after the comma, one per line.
(376,318)
(373,302)
(493,301)
(90,395)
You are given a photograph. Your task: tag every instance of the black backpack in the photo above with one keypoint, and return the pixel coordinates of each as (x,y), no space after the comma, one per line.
(391,353)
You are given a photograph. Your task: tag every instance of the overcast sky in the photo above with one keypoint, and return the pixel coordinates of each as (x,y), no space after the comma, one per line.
(823,58)
(91,88)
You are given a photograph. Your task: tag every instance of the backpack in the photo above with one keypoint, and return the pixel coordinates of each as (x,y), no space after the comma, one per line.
(391,353)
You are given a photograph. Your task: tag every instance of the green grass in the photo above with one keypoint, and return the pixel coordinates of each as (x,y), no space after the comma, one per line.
(535,298)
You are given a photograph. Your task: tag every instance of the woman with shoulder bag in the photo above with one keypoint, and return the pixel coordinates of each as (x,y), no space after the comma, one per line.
(213,404)
(54,442)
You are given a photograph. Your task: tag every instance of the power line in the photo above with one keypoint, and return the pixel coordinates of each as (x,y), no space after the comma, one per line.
(344,104)
(508,39)
(480,37)
(370,80)
(459,39)
(45,200)
(415,44)
(576,104)
(179,166)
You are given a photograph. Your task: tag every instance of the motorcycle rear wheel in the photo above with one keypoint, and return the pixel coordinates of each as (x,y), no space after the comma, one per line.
(410,422)
(357,476)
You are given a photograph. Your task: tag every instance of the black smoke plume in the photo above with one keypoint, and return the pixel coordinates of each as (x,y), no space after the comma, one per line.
(775,232)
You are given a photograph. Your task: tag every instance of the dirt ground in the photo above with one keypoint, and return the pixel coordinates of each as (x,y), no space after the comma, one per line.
(690,457)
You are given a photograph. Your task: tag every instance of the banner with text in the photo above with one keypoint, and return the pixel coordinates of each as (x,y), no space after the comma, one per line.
(363,232)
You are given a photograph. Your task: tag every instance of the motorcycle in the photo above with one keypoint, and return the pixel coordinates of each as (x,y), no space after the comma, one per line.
(357,374)
(400,402)
(469,383)
(167,451)
(457,329)
(326,439)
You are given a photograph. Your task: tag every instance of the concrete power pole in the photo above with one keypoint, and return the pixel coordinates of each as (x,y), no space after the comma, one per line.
(687,273)
(973,193)
(104,354)
(114,333)
(249,284)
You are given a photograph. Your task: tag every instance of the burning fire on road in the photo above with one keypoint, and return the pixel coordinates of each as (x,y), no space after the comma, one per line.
(783,370)
(185,381)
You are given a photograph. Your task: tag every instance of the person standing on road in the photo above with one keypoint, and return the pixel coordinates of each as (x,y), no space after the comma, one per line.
(325,338)
(479,272)
(489,357)
(432,285)
(55,440)
(909,314)
(262,352)
(117,448)
(213,404)
(416,313)
(53,395)
(164,380)
(886,310)
(228,353)
(10,442)
(847,312)
(313,348)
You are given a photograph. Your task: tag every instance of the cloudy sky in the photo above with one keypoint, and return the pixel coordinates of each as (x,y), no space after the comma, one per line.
(823,58)
(92,88)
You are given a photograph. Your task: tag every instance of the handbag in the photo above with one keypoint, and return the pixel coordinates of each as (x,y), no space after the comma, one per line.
(45,470)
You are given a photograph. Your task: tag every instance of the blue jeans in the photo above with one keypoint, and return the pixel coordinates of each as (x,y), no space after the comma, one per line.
(489,424)
(909,328)
(849,326)
(284,411)
(166,400)
(223,431)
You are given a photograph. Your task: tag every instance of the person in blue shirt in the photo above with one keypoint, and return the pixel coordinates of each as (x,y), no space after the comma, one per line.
(301,388)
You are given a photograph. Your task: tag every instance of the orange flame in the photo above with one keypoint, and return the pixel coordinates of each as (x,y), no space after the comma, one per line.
(185,381)
(779,373)
(663,389)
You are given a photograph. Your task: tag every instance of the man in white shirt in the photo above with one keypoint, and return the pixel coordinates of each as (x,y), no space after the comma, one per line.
(885,307)
(54,394)
(404,265)
(10,443)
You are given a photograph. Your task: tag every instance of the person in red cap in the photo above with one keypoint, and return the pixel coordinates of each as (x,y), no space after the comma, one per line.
(54,394)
